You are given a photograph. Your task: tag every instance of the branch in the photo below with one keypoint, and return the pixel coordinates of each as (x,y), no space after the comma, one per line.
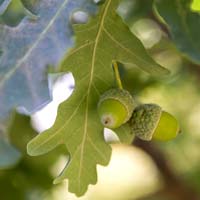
(175,188)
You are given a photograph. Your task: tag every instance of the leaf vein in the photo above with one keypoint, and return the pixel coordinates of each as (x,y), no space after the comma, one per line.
(96,148)
(60,130)
(123,47)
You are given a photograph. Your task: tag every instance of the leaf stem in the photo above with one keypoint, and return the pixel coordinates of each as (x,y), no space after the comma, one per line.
(117,75)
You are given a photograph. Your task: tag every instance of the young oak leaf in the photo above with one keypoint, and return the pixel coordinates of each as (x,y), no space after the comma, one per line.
(104,39)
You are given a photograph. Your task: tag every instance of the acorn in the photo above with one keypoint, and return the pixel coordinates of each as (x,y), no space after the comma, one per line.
(149,122)
(115,107)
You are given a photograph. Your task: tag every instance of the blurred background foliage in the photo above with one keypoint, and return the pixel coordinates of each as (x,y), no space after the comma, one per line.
(16,11)
(142,171)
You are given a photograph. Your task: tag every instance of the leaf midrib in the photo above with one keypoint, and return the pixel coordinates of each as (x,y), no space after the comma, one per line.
(89,87)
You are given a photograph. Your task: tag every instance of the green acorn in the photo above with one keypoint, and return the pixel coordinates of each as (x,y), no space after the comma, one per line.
(115,108)
(150,122)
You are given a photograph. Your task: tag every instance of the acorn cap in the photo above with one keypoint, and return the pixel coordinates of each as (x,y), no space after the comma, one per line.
(115,107)
(150,122)
(144,120)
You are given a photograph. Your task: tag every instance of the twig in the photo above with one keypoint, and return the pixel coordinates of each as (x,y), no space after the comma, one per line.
(117,75)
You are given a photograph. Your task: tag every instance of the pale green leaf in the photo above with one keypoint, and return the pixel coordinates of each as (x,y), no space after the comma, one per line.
(104,39)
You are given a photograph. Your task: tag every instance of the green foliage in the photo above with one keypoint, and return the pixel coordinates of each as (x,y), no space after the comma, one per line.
(8,154)
(23,78)
(15,12)
(133,10)
(36,34)
(104,39)
(171,96)
(3,5)
(31,176)
(20,131)
(182,24)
